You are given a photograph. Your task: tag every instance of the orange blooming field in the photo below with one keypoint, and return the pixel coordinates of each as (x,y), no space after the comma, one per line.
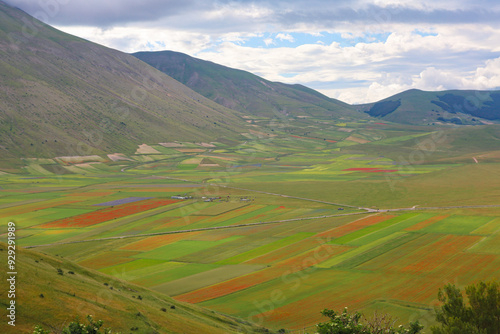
(154,242)
(354,226)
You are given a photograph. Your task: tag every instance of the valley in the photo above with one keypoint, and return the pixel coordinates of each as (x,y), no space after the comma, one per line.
(282,223)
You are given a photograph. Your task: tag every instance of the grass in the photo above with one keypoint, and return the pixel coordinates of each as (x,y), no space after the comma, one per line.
(349,238)
(216,209)
(458,225)
(372,253)
(205,278)
(398,224)
(169,271)
(265,249)
(180,248)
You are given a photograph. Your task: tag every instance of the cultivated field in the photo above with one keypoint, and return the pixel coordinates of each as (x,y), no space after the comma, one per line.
(274,230)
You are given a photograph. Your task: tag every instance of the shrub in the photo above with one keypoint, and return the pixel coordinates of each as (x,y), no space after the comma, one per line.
(480,315)
(75,327)
(346,323)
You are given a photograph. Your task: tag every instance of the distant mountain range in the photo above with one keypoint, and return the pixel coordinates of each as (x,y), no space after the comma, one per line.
(445,107)
(248,93)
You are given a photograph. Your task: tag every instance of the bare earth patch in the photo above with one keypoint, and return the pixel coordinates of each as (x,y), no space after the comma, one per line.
(118,157)
(78,159)
(190,150)
(205,144)
(171,144)
(357,140)
(146,149)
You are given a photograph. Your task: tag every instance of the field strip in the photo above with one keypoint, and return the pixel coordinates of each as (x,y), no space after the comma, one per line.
(354,252)
(29,201)
(197,229)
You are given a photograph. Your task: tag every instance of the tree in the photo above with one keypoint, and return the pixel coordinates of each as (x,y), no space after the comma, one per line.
(481,315)
(345,323)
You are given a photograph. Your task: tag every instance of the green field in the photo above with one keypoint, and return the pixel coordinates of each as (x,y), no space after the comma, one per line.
(282,228)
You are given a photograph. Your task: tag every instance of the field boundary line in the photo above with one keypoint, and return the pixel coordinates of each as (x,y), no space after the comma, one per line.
(440,208)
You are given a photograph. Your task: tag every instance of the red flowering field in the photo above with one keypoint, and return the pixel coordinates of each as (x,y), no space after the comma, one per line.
(99,216)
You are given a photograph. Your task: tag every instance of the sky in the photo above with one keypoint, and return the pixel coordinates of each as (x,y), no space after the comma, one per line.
(356,51)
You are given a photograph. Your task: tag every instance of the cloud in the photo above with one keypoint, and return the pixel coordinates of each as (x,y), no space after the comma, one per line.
(239,15)
(485,77)
(285,37)
(104,14)
(363,50)
(268,41)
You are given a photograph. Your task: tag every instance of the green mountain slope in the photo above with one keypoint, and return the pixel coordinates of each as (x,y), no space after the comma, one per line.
(62,95)
(446,107)
(243,91)
(51,292)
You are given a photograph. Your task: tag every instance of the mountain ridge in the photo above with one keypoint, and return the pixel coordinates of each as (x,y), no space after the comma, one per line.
(62,95)
(243,91)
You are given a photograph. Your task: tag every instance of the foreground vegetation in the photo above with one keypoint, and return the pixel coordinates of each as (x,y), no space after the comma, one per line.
(345,323)
(479,314)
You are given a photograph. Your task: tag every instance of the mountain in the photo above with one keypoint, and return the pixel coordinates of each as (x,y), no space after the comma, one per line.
(62,95)
(51,291)
(445,107)
(244,91)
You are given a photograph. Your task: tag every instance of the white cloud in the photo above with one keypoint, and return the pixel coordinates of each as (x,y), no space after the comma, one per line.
(487,76)
(268,41)
(285,37)
(144,39)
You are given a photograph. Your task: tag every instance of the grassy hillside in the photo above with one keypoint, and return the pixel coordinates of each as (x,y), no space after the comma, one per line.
(446,107)
(52,300)
(243,91)
(62,95)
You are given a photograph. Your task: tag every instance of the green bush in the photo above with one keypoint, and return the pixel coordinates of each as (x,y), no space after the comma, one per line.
(356,323)
(76,327)
(481,315)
